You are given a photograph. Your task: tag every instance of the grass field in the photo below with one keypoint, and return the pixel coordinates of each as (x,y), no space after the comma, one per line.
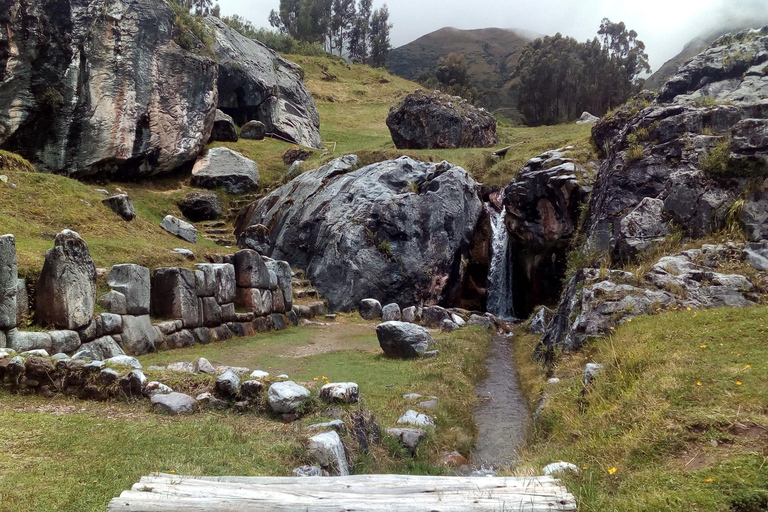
(677,421)
(66,454)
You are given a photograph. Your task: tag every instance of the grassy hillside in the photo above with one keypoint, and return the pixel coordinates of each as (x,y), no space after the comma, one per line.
(676,422)
(491,54)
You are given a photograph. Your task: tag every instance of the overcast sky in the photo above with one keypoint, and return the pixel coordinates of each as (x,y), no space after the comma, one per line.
(664,25)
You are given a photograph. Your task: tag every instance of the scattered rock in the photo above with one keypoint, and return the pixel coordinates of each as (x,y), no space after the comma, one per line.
(409,314)
(337,425)
(180,228)
(591,370)
(433,316)
(202,365)
(344,392)
(259,375)
(412,396)
(448,326)
(428,404)
(560,468)
(403,340)
(125,361)
(409,438)
(328,450)
(157,388)
(553,381)
(370,309)
(417,419)
(296,154)
(122,205)
(390,313)
(201,205)
(181,367)
(174,403)
(286,397)
(480,321)
(253,130)
(226,169)
(426,120)
(227,385)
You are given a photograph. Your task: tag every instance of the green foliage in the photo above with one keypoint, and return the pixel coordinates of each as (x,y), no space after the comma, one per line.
(385,248)
(280,42)
(51,99)
(191,32)
(451,76)
(705,101)
(718,163)
(560,77)
(634,153)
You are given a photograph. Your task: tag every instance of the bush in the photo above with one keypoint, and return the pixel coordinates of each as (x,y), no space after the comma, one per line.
(191,33)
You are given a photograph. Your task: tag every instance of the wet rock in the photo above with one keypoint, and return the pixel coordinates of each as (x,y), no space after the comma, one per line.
(180,228)
(122,205)
(343,392)
(411,257)
(390,313)
(174,403)
(226,169)
(255,83)
(66,289)
(430,120)
(199,205)
(286,397)
(224,129)
(409,438)
(403,340)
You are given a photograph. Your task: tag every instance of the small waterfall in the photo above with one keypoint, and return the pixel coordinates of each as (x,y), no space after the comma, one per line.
(500,302)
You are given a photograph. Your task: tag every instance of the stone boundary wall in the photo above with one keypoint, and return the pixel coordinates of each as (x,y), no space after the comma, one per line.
(245,294)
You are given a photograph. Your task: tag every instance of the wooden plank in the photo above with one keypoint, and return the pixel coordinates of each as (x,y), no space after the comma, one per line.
(364,493)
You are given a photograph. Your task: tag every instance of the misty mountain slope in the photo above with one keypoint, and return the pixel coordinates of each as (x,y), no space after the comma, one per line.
(491,54)
(694,47)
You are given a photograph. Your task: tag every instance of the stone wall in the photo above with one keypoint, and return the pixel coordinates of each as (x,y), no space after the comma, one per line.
(144,311)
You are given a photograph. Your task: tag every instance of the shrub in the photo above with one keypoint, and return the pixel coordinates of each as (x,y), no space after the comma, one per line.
(191,33)
(635,152)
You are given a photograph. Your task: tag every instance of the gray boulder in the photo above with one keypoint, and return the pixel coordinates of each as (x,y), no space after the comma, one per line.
(180,228)
(254,130)
(66,289)
(431,212)
(224,129)
(402,340)
(139,337)
(434,316)
(133,281)
(114,302)
(449,326)
(480,321)
(591,370)
(64,341)
(286,397)
(201,205)
(66,122)
(431,120)
(99,350)
(257,84)
(250,270)
(540,320)
(390,313)
(409,314)
(122,205)
(343,392)
(227,385)
(225,169)
(370,309)
(587,118)
(23,341)
(22,304)
(174,403)
(8,282)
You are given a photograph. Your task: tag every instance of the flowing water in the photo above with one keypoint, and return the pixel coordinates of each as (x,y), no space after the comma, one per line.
(500,273)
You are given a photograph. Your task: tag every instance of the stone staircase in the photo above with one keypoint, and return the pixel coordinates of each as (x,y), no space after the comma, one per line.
(221,231)
(364,493)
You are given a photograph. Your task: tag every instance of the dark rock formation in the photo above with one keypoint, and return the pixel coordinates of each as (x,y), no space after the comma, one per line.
(174,295)
(253,130)
(688,157)
(224,129)
(542,205)
(201,205)
(425,120)
(122,205)
(257,84)
(226,169)
(401,228)
(66,289)
(296,154)
(101,87)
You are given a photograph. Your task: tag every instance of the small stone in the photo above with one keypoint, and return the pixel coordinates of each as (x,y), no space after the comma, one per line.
(409,315)
(428,404)
(409,438)
(181,367)
(202,365)
(479,321)
(344,392)
(125,361)
(156,368)
(133,383)
(559,468)
(552,381)
(417,419)
(328,450)
(122,205)
(157,388)
(591,370)
(429,354)
(174,403)
(412,396)
(259,375)
(227,385)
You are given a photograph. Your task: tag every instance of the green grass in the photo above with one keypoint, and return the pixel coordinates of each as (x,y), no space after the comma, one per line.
(65,454)
(677,421)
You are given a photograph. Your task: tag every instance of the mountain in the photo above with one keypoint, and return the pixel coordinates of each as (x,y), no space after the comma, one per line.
(491,54)
(693,48)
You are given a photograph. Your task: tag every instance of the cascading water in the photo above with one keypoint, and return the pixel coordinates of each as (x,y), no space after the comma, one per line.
(500,302)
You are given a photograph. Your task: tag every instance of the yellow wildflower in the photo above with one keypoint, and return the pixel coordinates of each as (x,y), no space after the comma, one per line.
(612,471)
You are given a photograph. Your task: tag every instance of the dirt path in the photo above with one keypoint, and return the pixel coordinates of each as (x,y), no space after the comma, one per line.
(502,416)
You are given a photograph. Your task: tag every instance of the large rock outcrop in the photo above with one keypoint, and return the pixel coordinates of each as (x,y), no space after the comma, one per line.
(396,231)
(688,157)
(431,120)
(257,84)
(98,86)
(542,205)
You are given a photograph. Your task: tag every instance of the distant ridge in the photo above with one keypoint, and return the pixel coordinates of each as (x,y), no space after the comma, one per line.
(491,53)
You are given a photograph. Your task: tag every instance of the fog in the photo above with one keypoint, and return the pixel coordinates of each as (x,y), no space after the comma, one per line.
(664,25)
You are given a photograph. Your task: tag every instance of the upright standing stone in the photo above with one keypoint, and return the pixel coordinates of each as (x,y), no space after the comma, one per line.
(8,282)
(133,281)
(174,295)
(66,289)
(283,272)
(22,304)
